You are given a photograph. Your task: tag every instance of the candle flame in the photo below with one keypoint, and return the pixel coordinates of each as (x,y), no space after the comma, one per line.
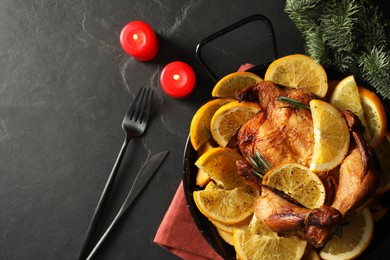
(176,77)
(137,38)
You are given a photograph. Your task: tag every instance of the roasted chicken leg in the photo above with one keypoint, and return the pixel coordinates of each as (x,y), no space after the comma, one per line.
(282,215)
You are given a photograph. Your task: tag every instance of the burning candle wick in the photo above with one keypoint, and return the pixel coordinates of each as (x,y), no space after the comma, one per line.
(176,77)
(135,37)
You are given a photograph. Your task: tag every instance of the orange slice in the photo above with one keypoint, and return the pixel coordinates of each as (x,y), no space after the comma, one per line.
(374,114)
(353,240)
(230,84)
(220,164)
(228,119)
(346,96)
(298,182)
(257,242)
(200,123)
(227,206)
(298,71)
(331,136)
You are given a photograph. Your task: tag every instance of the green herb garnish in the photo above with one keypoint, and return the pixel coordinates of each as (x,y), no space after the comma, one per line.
(259,164)
(294,103)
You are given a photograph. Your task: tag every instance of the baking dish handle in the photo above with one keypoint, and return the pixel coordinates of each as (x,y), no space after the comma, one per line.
(257,17)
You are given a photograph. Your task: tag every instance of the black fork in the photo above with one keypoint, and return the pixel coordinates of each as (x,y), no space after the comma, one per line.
(134,124)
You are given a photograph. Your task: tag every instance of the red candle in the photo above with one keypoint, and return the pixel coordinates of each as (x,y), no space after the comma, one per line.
(139,40)
(177,79)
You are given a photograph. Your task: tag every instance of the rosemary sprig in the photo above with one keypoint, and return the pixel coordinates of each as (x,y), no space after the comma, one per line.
(294,103)
(259,164)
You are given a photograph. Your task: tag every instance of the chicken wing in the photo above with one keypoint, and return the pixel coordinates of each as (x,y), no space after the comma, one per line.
(282,214)
(359,173)
(355,185)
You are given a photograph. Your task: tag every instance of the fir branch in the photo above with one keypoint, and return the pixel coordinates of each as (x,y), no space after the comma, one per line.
(316,46)
(349,35)
(337,27)
(372,30)
(338,21)
(375,66)
(304,13)
(345,61)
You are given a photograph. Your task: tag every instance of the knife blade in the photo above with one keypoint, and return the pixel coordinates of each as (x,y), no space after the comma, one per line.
(142,178)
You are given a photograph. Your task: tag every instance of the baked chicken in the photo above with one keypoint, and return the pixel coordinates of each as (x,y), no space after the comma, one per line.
(282,133)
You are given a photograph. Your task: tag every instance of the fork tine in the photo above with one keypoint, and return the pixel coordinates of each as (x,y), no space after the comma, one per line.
(141,106)
(134,108)
(148,101)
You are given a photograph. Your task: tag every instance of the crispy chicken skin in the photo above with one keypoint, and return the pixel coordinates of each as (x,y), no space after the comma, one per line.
(318,225)
(282,215)
(359,172)
(278,214)
(246,172)
(280,133)
(355,185)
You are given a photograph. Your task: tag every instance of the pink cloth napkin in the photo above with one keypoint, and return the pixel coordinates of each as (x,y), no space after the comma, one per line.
(178,233)
(245,67)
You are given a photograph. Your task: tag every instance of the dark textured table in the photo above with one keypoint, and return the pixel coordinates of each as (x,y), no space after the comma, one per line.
(65,85)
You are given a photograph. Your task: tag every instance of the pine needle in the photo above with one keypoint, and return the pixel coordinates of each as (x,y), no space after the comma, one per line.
(349,35)
(375,64)
(339,20)
(316,46)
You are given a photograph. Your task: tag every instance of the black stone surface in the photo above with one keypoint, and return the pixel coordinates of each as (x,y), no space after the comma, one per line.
(65,85)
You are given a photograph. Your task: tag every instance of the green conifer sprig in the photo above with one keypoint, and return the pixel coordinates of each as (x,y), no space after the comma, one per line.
(375,64)
(340,19)
(372,29)
(316,46)
(349,35)
(305,13)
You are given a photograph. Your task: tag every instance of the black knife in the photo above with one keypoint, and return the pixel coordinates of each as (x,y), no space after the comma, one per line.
(142,178)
